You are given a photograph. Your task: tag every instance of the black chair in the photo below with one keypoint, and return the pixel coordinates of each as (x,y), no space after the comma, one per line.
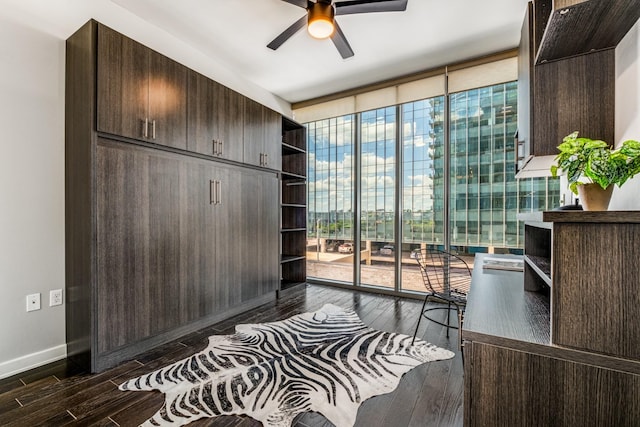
(447,278)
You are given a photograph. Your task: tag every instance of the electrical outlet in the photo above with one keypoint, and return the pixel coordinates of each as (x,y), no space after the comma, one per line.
(55,297)
(33,302)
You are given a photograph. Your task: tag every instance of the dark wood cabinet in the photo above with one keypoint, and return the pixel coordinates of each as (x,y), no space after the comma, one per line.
(215,119)
(293,198)
(517,373)
(595,276)
(556,98)
(262,135)
(162,237)
(574,94)
(260,254)
(141,94)
(511,387)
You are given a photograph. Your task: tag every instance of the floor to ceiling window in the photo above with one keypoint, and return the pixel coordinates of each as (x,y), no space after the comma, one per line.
(330,249)
(377,196)
(400,150)
(422,186)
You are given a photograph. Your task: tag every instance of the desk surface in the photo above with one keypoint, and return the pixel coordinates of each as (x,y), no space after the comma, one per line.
(500,311)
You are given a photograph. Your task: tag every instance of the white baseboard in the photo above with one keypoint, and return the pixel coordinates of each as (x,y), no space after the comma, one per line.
(33,360)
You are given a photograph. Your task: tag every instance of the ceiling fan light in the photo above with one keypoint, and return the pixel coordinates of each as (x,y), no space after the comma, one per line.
(320,22)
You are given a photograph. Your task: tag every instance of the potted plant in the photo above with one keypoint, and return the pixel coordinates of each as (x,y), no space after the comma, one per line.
(592,168)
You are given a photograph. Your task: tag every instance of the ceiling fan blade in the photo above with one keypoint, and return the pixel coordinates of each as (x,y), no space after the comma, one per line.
(301,3)
(286,34)
(349,7)
(341,43)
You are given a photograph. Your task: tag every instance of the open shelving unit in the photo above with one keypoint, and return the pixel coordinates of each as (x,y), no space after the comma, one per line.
(293,206)
(537,253)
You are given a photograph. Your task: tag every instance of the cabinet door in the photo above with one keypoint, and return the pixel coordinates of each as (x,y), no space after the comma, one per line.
(230,123)
(123,96)
(260,241)
(563,99)
(253,133)
(273,138)
(138,211)
(214,119)
(201,114)
(230,257)
(198,248)
(167,101)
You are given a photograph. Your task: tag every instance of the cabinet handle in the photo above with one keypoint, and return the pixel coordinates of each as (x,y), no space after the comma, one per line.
(221,144)
(153,129)
(219,192)
(261,159)
(266,160)
(212,190)
(145,127)
(215,147)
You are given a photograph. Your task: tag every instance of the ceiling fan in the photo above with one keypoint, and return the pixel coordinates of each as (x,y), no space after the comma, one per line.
(321,23)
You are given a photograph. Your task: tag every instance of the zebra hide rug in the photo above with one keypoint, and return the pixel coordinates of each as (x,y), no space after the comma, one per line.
(327,361)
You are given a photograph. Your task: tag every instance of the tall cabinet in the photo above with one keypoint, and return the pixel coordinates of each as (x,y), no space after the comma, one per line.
(168,227)
(293,197)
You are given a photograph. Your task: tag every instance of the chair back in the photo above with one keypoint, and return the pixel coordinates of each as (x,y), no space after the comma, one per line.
(445,275)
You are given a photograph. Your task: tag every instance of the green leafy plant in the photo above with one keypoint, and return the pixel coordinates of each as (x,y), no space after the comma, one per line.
(586,160)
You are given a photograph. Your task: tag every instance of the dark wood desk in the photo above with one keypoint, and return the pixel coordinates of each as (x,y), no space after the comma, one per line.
(515,376)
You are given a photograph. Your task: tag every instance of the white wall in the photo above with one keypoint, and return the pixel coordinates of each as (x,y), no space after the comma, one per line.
(628,111)
(32,53)
(32,194)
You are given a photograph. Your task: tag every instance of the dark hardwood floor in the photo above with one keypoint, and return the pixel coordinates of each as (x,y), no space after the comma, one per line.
(59,394)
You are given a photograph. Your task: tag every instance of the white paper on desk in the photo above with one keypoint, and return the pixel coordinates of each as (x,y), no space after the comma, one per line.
(503,263)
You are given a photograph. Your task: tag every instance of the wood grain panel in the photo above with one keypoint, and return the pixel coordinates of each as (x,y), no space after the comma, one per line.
(79,149)
(215,114)
(260,274)
(230,255)
(596,299)
(230,121)
(564,93)
(123,84)
(507,387)
(253,132)
(578,27)
(168,101)
(272,137)
(625,217)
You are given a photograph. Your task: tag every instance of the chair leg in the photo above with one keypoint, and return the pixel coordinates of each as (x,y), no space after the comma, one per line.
(419,319)
(448,317)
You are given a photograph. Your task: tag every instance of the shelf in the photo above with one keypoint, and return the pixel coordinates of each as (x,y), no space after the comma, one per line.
(293,207)
(632,217)
(292,230)
(541,265)
(290,175)
(288,149)
(576,27)
(291,258)
(294,181)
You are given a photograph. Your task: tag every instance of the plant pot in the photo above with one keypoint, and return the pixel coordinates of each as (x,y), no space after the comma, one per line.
(593,197)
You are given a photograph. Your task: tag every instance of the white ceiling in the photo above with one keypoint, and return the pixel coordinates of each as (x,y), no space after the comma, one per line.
(428,34)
